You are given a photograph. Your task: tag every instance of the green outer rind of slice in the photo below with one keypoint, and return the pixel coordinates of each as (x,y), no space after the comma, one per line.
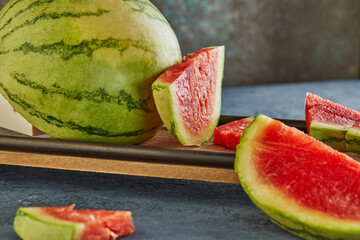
(352,139)
(163,95)
(286,213)
(332,135)
(35,224)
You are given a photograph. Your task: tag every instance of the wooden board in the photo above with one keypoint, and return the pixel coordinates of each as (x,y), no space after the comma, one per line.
(162,156)
(24,151)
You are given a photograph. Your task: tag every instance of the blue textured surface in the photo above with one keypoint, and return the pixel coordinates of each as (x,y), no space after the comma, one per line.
(287,100)
(162,209)
(165,208)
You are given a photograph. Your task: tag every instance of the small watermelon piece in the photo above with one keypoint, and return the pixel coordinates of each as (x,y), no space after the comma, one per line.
(301,184)
(66,223)
(188,96)
(352,138)
(328,121)
(229,135)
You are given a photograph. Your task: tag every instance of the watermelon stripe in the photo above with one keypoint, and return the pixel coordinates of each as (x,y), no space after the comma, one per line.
(141,6)
(157,87)
(4,52)
(86,47)
(30,6)
(99,96)
(9,8)
(331,139)
(353,141)
(53,16)
(30,109)
(172,129)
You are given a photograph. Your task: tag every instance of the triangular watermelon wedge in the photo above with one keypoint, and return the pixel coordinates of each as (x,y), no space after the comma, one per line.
(66,223)
(188,96)
(328,121)
(301,184)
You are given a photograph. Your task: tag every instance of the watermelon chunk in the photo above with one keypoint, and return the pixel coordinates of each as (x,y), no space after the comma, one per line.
(328,121)
(301,184)
(229,135)
(188,96)
(66,223)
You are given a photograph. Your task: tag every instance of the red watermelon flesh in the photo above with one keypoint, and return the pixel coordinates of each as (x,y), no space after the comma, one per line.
(356,125)
(324,114)
(195,78)
(229,135)
(188,96)
(325,111)
(315,175)
(99,224)
(302,184)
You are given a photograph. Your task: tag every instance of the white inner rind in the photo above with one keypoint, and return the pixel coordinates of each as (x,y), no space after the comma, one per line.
(329,127)
(283,210)
(162,99)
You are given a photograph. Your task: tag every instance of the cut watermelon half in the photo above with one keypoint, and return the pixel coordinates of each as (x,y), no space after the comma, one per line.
(188,96)
(229,135)
(66,223)
(301,184)
(328,121)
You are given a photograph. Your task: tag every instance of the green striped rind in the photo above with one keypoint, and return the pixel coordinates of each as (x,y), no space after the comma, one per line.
(164,95)
(145,7)
(34,224)
(83,70)
(284,212)
(30,6)
(331,135)
(50,16)
(352,138)
(91,130)
(99,95)
(86,48)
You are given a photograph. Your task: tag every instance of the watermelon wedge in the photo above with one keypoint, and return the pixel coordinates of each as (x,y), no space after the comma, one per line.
(66,223)
(188,96)
(301,184)
(229,135)
(328,121)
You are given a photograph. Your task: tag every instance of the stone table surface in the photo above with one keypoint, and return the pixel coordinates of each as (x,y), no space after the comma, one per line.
(169,208)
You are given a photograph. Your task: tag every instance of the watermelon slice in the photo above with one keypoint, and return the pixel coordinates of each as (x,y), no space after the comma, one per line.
(65,223)
(301,184)
(229,135)
(188,96)
(328,121)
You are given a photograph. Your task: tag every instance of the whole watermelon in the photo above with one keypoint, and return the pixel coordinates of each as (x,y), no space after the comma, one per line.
(83,69)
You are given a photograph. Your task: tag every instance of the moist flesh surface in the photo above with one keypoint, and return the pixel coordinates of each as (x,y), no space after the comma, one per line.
(102,224)
(308,171)
(195,82)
